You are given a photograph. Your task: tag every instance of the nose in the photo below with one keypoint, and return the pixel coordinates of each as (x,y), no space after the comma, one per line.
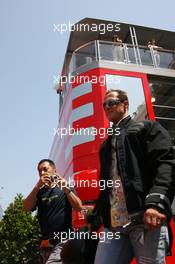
(107,107)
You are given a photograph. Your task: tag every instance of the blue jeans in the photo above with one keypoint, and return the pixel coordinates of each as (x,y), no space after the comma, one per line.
(149,247)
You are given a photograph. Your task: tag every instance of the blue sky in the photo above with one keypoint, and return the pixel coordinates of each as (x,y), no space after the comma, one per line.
(31,53)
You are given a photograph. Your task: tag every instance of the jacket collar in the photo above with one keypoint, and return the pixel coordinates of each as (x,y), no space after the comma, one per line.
(123,122)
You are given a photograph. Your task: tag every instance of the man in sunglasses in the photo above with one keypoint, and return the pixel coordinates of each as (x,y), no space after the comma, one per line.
(138,207)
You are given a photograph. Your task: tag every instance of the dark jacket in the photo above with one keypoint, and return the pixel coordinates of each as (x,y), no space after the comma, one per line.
(145,164)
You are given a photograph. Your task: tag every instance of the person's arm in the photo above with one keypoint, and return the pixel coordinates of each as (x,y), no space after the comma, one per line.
(73,199)
(30,201)
(162,166)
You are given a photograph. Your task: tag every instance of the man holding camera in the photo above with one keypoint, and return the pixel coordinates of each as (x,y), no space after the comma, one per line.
(54,201)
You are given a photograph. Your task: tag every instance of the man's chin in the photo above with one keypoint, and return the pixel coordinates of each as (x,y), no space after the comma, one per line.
(111,119)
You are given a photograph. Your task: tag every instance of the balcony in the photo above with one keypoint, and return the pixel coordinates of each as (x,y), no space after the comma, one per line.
(121,53)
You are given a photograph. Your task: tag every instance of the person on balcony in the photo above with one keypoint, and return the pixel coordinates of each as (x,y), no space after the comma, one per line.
(153,46)
(118,51)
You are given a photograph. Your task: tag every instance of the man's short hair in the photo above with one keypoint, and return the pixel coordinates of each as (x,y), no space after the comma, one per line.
(115,36)
(46,160)
(122,95)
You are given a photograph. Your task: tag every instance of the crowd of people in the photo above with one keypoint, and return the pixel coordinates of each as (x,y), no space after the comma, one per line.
(118,53)
(138,208)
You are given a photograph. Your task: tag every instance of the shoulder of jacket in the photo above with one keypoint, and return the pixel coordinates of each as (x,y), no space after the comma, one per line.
(142,126)
(135,126)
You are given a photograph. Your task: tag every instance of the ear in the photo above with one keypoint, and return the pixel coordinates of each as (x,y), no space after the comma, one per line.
(126,104)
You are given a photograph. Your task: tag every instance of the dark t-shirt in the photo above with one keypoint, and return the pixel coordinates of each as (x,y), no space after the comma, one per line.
(54,211)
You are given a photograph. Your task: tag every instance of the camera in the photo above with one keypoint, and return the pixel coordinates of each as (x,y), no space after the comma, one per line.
(53,178)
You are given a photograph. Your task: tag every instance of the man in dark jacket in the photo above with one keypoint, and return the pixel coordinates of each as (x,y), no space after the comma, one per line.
(140,164)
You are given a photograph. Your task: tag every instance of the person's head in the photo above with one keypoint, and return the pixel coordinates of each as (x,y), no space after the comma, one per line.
(153,41)
(116,38)
(115,105)
(46,166)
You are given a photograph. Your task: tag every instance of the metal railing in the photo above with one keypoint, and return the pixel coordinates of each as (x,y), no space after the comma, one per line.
(122,53)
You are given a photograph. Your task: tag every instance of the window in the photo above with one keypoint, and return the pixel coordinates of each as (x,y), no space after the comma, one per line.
(134,88)
(163,100)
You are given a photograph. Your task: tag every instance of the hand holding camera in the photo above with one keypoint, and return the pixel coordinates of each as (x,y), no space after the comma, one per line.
(61,182)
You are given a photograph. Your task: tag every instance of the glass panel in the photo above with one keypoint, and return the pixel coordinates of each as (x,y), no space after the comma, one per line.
(118,52)
(84,55)
(171,65)
(134,88)
(163,98)
(167,59)
(131,55)
(115,52)
(111,51)
(122,53)
(105,50)
(146,57)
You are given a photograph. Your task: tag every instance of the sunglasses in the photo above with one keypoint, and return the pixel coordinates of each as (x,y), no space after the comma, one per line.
(111,102)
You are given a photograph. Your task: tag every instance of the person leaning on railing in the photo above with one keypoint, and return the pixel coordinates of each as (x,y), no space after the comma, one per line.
(118,52)
(152,45)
